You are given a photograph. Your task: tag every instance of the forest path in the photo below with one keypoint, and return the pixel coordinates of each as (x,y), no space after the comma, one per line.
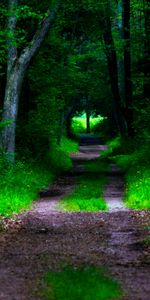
(45,237)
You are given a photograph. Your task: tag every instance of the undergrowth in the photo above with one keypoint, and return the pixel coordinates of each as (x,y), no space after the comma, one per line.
(137,176)
(20,183)
(135,161)
(80,283)
(68,145)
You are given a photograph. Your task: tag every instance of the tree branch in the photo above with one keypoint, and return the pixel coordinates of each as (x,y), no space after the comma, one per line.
(11,40)
(38,38)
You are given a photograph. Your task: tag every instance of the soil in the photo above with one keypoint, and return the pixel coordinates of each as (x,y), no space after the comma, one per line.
(44,237)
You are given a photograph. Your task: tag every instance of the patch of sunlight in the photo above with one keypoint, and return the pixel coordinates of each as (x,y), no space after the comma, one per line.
(79,122)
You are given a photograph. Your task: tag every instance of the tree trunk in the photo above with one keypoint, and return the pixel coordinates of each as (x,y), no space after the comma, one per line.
(121,79)
(147,50)
(127,67)
(60,128)
(16,69)
(68,117)
(113,72)
(10,111)
(88,127)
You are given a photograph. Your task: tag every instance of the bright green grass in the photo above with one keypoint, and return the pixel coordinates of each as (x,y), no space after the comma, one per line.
(138,188)
(137,177)
(79,123)
(136,165)
(20,185)
(88,283)
(87,195)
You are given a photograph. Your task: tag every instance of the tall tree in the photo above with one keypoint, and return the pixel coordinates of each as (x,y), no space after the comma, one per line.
(16,69)
(147,48)
(113,72)
(127,66)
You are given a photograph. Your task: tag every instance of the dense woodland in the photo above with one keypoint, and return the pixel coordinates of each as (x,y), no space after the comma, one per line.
(59,59)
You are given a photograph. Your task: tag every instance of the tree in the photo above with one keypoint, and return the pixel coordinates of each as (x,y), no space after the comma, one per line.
(127,67)
(113,72)
(16,69)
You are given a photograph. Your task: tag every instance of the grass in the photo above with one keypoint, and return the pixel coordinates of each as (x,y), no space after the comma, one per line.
(86,283)
(79,123)
(21,183)
(136,164)
(137,177)
(87,194)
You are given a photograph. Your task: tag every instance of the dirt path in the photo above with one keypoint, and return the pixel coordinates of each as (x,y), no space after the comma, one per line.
(45,237)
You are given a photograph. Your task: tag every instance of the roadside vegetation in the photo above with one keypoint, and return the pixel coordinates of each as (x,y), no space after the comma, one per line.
(80,283)
(22,182)
(135,162)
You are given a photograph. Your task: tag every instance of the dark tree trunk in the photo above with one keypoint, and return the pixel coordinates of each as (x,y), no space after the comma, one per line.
(147,50)
(88,127)
(69,116)
(127,67)
(61,127)
(121,80)
(113,72)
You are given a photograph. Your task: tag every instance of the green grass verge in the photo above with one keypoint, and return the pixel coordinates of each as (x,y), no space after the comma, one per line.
(87,194)
(137,177)
(135,162)
(80,284)
(20,185)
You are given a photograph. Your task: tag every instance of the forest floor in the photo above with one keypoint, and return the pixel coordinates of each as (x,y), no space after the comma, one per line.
(45,237)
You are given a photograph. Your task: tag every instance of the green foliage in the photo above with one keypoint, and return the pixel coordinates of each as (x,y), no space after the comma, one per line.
(20,185)
(80,283)
(68,145)
(112,145)
(136,164)
(4,123)
(137,170)
(60,160)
